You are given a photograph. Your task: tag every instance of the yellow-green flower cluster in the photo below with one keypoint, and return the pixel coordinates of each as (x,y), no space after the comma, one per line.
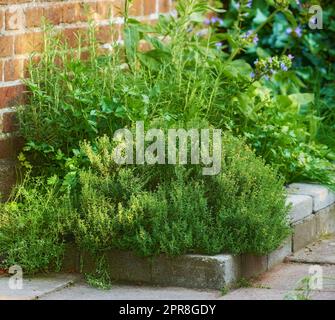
(270,66)
(282,4)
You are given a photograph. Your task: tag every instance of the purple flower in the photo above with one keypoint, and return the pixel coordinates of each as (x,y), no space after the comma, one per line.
(214,20)
(207,22)
(266,77)
(249,4)
(238,5)
(290,56)
(283,66)
(298,31)
(270,59)
(218,45)
(252,75)
(298,2)
(255,40)
(247,34)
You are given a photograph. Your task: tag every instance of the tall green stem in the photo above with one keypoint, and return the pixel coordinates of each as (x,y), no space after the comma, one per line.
(260,27)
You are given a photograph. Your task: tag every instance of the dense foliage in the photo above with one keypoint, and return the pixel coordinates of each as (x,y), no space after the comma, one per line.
(196,70)
(291,138)
(193,74)
(148,209)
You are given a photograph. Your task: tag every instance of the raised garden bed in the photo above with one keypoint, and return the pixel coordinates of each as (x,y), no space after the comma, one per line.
(312,215)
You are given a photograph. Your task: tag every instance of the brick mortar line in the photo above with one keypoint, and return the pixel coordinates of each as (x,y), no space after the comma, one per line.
(7,110)
(64,26)
(5,136)
(14,83)
(42,5)
(46,4)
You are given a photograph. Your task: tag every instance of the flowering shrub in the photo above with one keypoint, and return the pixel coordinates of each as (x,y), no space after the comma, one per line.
(270,66)
(313,66)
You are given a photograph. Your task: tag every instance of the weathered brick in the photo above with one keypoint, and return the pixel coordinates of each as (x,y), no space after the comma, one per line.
(164,6)
(137,8)
(10,146)
(1,70)
(7,178)
(104,10)
(13,70)
(70,12)
(86,10)
(6,46)
(78,12)
(53,14)
(107,34)
(9,122)
(15,19)
(2,14)
(28,43)
(34,16)
(10,96)
(149,7)
(72,36)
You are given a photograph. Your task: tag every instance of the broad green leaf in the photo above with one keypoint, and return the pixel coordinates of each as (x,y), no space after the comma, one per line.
(302,98)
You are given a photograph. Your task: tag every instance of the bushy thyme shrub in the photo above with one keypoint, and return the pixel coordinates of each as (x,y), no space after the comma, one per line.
(149,210)
(175,210)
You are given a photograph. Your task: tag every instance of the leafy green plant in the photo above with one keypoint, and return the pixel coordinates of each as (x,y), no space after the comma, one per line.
(101,277)
(302,291)
(34,225)
(190,72)
(313,66)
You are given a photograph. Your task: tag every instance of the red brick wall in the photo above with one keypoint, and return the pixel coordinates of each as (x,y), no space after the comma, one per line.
(21,34)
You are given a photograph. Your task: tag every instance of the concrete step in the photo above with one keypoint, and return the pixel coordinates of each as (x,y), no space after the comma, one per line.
(320,252)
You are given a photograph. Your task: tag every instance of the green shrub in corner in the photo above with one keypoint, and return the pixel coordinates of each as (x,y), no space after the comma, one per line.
(175,209)
(151,210)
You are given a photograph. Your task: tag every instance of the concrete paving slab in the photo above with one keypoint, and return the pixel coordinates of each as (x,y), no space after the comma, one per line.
(35,287)
(320,252)
(255,294)
(274,294)
(124,292)
(286,276)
